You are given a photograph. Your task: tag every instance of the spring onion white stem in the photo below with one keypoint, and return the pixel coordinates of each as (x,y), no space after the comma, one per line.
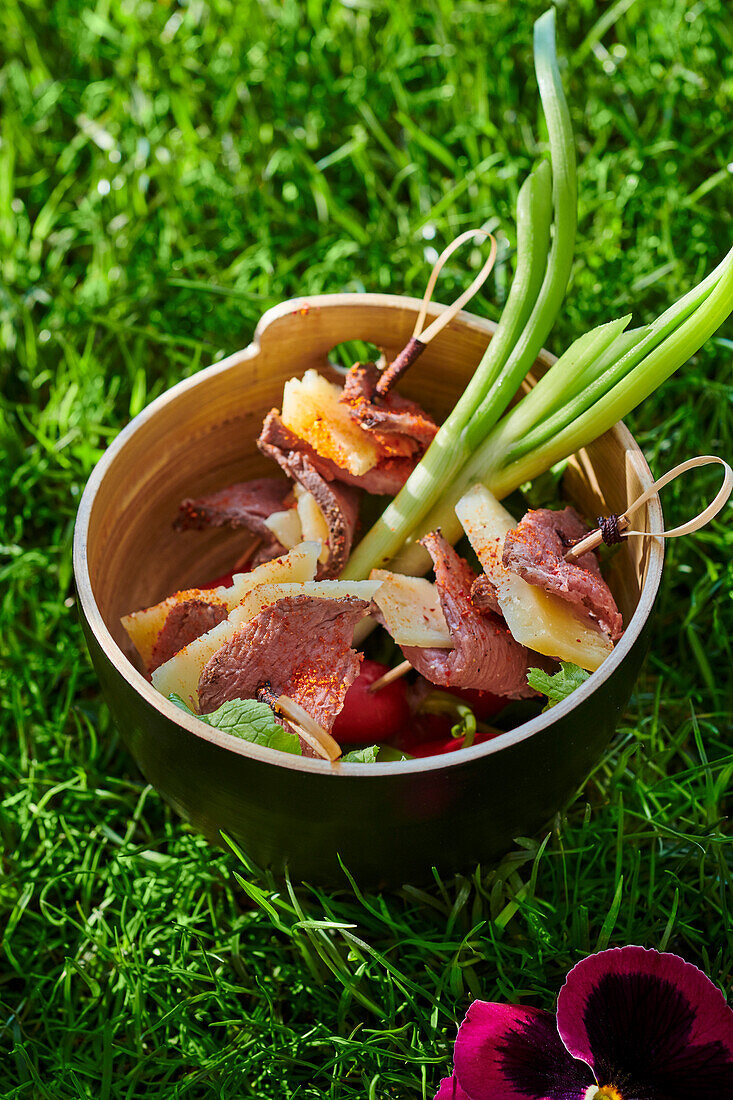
(536,294)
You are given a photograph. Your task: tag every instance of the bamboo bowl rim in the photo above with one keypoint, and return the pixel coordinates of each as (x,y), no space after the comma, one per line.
(377,770)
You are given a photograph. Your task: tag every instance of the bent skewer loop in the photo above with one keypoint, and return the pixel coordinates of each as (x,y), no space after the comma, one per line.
(420,339)
(612,529)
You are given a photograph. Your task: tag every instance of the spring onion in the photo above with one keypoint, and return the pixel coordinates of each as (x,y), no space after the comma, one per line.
(602,376)
(535,297)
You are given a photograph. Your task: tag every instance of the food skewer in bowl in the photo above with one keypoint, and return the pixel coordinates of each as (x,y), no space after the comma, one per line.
(543,624)
(421,337)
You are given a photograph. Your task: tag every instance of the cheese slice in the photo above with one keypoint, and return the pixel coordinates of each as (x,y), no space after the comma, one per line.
(313,410)
(182,672)
(411,610)
(143,627)
(267,594)
(312,521)
(286,527)
(305,521)
(537,619)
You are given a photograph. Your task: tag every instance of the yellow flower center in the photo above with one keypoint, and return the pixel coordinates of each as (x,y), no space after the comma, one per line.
(605,1092)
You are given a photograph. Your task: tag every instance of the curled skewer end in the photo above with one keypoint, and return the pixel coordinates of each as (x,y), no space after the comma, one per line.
(421,337)
(613,529)
(301,722)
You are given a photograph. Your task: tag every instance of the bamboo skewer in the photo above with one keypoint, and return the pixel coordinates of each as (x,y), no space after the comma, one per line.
(389,677)
(302,722)
(420,339)
(612,529)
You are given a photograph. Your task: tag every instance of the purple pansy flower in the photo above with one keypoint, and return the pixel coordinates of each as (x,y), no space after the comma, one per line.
(631,1024)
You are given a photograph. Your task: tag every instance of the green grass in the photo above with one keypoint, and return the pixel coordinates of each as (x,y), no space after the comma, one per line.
(166,174)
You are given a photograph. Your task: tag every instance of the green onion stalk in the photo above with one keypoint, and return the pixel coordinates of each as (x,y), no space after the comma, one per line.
(602,376)
(511,453)
(537,291)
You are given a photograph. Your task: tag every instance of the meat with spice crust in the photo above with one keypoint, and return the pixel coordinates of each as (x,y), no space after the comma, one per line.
(400,426)
(483,595)
(187,620)
(387,477)
(246,504)
(535,550)
(301,645)
(338,503)
(484,654)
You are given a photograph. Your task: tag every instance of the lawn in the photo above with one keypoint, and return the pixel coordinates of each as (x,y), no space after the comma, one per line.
(167,173)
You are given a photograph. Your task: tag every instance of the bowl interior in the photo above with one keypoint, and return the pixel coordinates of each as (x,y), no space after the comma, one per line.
(200,436)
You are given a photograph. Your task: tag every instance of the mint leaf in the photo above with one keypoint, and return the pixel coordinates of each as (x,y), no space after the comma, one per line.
(559,685)
(361,756)
(254,721)
(178,702)
(388,753)
(249,719)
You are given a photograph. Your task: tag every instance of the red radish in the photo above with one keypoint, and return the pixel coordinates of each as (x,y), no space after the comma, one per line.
(451,744)
(226,579)
(367,716)
(426,729)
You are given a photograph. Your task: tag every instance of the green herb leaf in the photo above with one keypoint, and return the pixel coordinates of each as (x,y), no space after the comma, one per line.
(361,756)
(249,719)
(178,702)
(254,721)
(558,686)
(388,754)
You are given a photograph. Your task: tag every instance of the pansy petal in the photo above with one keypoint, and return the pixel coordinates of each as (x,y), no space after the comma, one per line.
(650,1024)
(449,1089)
(515,1053)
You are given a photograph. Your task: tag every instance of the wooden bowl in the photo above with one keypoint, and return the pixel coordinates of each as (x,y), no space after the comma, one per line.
(390,822)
